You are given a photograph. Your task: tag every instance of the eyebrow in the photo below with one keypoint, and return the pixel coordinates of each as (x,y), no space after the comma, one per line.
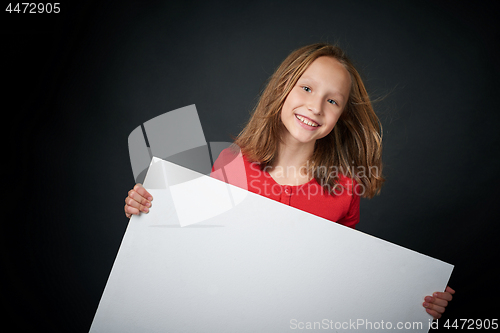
(333,92)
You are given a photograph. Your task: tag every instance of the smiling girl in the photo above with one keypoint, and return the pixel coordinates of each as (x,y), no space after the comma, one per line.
(313,142)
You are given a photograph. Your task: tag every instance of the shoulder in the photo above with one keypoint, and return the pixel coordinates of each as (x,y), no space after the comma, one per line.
(232,167)
(350,186)
(229,155)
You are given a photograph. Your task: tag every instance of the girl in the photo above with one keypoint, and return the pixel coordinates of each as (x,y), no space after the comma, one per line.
(313,142)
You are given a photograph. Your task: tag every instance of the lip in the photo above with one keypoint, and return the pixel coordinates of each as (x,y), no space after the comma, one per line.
(305,126)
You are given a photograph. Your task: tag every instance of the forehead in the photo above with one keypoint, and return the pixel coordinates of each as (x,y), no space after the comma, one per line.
(329,72)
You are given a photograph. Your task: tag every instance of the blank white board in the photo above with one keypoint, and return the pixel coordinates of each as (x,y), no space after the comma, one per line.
(243,263)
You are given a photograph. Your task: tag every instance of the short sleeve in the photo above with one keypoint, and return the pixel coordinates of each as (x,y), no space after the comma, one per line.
(351,218)
(230,168)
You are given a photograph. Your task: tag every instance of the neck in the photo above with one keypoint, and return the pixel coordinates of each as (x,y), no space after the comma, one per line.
(289,165)
(293,154)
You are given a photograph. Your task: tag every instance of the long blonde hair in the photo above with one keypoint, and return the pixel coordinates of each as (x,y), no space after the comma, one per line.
(354,146)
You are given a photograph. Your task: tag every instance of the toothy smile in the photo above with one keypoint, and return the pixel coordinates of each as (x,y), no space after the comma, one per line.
(306,121)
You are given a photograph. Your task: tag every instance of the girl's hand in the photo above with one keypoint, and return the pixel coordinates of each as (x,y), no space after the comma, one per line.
(138,200)
(436,304)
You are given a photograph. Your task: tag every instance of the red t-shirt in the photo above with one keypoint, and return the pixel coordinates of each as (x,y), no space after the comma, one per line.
(342,207)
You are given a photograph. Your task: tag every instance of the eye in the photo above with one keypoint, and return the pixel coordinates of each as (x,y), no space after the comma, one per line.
(331,101)
(306,88)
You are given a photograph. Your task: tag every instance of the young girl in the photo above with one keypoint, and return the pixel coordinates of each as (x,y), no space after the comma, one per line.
(313,142)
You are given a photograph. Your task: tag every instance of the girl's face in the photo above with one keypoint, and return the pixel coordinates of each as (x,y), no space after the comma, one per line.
(316,102)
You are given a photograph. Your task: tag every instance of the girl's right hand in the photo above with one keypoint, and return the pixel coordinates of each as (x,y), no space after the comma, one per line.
(138,200)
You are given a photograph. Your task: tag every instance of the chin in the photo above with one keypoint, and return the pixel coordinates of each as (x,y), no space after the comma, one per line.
(303,140)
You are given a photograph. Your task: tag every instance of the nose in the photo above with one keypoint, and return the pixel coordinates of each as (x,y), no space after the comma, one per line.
(314,106)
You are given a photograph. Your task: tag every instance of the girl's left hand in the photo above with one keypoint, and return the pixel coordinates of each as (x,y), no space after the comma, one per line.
(436,304)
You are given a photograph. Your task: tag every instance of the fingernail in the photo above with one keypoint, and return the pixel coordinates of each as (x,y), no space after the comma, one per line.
(435,294)
(146,210)
(148,204)
(428,299)
(150,198)
(426,304)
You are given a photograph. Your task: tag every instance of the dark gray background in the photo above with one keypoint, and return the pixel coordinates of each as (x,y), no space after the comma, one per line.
(77,83)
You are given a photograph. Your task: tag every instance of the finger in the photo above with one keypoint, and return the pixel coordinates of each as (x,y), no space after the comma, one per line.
(446,296)
(433,313)
(132,194)
(129,211)
(431,306)
(449,290)
(135,204)
(142,191)
(437,301)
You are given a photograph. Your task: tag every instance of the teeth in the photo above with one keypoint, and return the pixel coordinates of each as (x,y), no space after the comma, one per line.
(306,121)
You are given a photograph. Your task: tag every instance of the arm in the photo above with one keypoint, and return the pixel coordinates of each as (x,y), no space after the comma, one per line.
(351,218)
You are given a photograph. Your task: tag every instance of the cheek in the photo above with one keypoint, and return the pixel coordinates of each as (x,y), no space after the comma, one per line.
(282,113)
(287,108)
(331,123)
(292,99)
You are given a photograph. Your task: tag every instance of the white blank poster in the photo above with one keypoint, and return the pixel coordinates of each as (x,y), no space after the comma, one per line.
(211,257)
